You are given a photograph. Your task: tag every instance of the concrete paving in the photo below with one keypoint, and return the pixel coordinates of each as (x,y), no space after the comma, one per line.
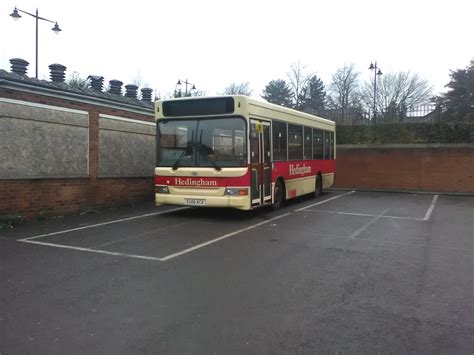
(352,272)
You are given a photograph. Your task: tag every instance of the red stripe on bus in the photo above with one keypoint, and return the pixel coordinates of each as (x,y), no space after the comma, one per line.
(288,170)
(302,168)
(204,181)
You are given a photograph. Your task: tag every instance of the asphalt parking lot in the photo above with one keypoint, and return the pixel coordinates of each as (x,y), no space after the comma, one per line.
(348,272)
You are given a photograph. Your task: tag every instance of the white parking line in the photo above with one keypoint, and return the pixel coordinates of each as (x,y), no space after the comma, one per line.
(324,201)
(228,235)
(431,208)
(97,251)
(31,240)
(139,235)
(366,215)
(367,225)
(102,224)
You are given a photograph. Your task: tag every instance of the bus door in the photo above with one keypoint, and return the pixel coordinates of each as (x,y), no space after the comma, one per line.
(260,163)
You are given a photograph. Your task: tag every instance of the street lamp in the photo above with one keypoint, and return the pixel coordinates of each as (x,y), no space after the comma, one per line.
(56,28)
(376,73)
(186,82)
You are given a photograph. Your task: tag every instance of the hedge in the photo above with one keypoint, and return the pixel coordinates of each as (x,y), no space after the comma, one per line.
(406,133)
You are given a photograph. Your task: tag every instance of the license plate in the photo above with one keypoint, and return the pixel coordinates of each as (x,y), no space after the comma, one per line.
(194,202)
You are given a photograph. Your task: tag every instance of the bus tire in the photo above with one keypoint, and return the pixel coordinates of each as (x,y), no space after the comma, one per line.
(318,185)
(279,195)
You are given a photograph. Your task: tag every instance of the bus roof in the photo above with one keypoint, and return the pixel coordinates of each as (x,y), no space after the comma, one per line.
(248,107)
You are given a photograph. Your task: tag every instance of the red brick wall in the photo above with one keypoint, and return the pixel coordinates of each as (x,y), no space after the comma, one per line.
(34,197)
(443,168)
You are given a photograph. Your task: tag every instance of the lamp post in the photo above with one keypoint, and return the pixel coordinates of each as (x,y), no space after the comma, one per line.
(186,82)
(56,28)
(376,73)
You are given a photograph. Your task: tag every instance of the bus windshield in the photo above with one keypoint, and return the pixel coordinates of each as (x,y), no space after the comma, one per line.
(203,142)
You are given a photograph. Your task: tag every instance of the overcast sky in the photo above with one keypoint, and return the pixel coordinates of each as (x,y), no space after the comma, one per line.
(213,43)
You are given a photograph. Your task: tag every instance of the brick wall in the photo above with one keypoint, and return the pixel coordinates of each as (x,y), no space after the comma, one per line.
(443,168)
(35,197)
(448,168)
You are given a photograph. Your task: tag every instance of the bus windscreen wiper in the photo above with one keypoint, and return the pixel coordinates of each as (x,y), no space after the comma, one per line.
(189,150)
(214,164)
(206,151)
(176,163)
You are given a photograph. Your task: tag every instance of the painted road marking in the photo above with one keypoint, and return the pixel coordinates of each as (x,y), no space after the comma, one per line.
(97,251)
(102,224)
(431,208)
(31,240)
(368,224)
(171,256)
(139,235)
(367,215)
(228,235)
(427,216)
(324,201)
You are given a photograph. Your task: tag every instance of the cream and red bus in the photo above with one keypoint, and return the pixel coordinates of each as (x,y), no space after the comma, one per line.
(235,151)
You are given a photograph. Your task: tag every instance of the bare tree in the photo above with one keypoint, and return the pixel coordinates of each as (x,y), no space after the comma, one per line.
(398,92)
(344,89)
(238,89)
(298,80)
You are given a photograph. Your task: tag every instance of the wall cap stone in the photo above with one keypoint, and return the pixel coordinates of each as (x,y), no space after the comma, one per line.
(406,146)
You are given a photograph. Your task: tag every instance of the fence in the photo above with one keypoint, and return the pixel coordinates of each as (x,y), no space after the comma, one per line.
(424,124)
(356,117)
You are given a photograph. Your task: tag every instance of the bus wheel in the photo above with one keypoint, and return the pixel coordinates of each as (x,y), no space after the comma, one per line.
(319,186)
(278,195)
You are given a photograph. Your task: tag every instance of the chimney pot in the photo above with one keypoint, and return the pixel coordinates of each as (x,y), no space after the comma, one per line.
(97,82)
(57,73)
(19,66)
(115,87)
(131,91)
(146,94)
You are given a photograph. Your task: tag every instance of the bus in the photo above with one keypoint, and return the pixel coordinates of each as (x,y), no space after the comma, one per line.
(239,152)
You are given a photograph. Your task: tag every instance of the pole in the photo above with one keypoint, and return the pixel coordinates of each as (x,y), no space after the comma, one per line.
(37,18)
(375,92)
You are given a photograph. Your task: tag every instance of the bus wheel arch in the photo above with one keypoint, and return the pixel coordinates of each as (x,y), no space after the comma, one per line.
(318,185)
(279,193)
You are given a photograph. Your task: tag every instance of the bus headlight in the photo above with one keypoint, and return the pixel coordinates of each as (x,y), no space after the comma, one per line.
(162,190)
(232,191)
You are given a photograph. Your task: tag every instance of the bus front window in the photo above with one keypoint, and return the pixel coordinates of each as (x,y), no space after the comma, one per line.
(212,142)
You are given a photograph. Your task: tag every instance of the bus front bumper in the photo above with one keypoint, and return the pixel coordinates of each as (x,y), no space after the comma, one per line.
(239,202)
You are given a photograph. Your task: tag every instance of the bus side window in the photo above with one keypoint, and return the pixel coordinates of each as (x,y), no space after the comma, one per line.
(308,143)
(295,142)
(318,152)
(333,147)
(327,146)
(279,141)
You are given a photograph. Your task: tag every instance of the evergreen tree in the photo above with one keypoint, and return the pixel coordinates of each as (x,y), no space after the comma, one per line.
(458,103)
(278,92)
(313,96)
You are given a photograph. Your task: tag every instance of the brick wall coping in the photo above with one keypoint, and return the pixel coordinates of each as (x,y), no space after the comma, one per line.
(406,146)
(63,91)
